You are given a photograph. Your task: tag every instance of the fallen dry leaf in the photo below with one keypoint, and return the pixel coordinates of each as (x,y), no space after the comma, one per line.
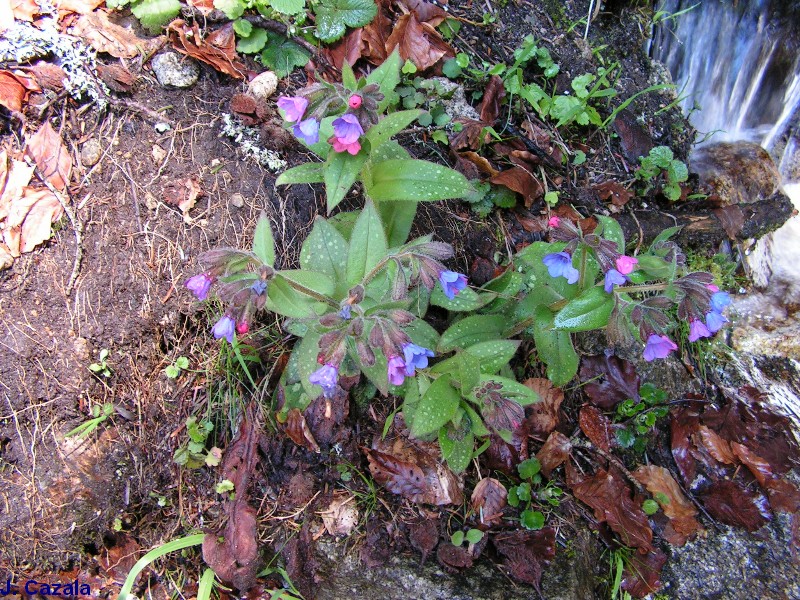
(783,496)
(527,553)
(597,427)
(614,191)
(341,516)
(492,101)
(454,558)
(14,176)
(611,380)
(418,42)
(504,456)
(48,76)
(424,536)
(348,49)
(488,500)
(298,432)
(104,36)
(118,560)
(609,496)
(183,193)
(50,155)
(554,452)
(116,77)
(757,465)
(14,89)
(30,219)
(642,573)
(684,421)
(82,7)
(734,505)
(249,109)
(376,34)
(680,511)
(542,417)
(521,181)
(217,49)
(717,447)
(25,10)
(204,6)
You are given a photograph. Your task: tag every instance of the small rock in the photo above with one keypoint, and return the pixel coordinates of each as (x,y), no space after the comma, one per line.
(150,201)
(80,348)
(172,69)
(263,85)
(6,260)
(237,200)
(162,127)
(91,152)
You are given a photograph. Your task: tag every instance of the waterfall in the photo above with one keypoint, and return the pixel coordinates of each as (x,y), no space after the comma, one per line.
(736,66)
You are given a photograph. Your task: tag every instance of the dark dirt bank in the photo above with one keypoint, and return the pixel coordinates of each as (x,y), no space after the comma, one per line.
(90,507)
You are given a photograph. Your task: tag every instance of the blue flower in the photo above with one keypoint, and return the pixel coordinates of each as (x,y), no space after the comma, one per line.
(719,301)
(199,285)
(559,264)
(452,283)
(224,328)
(307,130)
(327,377)
(613,277)
(416,357)
(259,286)
(346,311)
(347,129)
(715,321)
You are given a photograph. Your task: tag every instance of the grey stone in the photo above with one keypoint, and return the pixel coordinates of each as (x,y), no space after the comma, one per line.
(237,200)
(263,85)
(91,152)
(174,70)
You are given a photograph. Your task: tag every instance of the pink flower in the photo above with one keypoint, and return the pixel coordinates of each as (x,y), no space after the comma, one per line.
(293,107)
(354,102)
(626,264)
(553,221)
(242,327)
(658,346)
(396,370)
(338,146)
(712,287)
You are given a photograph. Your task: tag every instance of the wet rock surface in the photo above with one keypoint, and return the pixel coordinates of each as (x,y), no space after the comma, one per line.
(736,173)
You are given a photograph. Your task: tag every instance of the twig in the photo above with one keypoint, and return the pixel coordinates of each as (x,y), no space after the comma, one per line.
(126,172)
(77,226)
(140,108)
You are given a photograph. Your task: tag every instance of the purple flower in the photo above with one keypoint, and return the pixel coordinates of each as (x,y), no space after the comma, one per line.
(347,129)
(224,328)
(697,330)
(719,301)
(416,357)
(452,283)
(396,369)
(613,277)
(199,285)
(293,107)
(307,130)
(658,346)
(559,264)
(715,321)
(327,377)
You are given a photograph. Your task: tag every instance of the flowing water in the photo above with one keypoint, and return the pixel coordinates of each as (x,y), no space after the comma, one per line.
(737,68)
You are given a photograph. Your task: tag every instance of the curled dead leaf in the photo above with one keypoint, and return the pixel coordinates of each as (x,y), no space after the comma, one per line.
(614,192)
(554,452)
(417,42)
(542,417)
(597,427)
(341,516)
(611,380)
(488,500)
(104,36)
(729,502)
(717,447)
(297,430)
(50,155)
(15,175)
(757,465)
(116,77)
(424,536)
(183,193)
(14,89)
(680,511)
(29,221)
(217,49)
(527,553)
(48,76)
(642,573)
(521,181)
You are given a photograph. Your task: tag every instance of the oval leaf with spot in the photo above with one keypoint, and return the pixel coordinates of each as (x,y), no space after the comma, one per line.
(471,330)
(418,180)
(436,407)
(588,311)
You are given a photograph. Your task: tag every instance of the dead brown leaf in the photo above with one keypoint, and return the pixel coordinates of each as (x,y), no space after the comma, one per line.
(82,7)
(757,465)
(118,560)
(542,417)
(731,218)
(50,155)
(521,181)
(488,500)
(116,77)
(376,34)
(489,108)
(614,192)
(684,422)
(554,452)
(527,553)
(25,10)
(485,168)
(48,76)
(418,42)
(717,447)
(29,220)
(183,193)
(297,430)
(204,6)
(610,380)
(597,427)
(608,494)
(217,49)
(642,573)
(348,49)
(680,511)
(104,36)
(15,175)
(341,516)
(326,417)
(14,89)
(734,505)
(783,496)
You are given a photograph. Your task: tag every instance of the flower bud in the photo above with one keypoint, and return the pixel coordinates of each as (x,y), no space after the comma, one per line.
(354,101)
(401,317)
(356,294)
(365,353)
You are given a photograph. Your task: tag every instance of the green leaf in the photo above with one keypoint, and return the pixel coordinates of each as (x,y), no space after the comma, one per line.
(288,7)
(285,300)
(263,242)
(665,235)
(153,14)
(513,390)
(172,371)
(457,538)
(348,77)
(341,171)
(588,311)
(254,42)
(422,334)
(141,564)
(182,362)
(367,244)
(677,171)
(378,373)
(436,407)
(650,507)
(387,76)
(612,231)
(493,355)
(661,156)
(471,330)
(417,180)
(386,151)
(532,519)
(282,55)
(325,251)
(307,350)
(555,348)
(233,9)
(451,68)
(528,468)
(391,125)
(467,300)
(317,282)
(397,218)
(474,536)
(333,16)
(457,453)
(242,27)
(306,173)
